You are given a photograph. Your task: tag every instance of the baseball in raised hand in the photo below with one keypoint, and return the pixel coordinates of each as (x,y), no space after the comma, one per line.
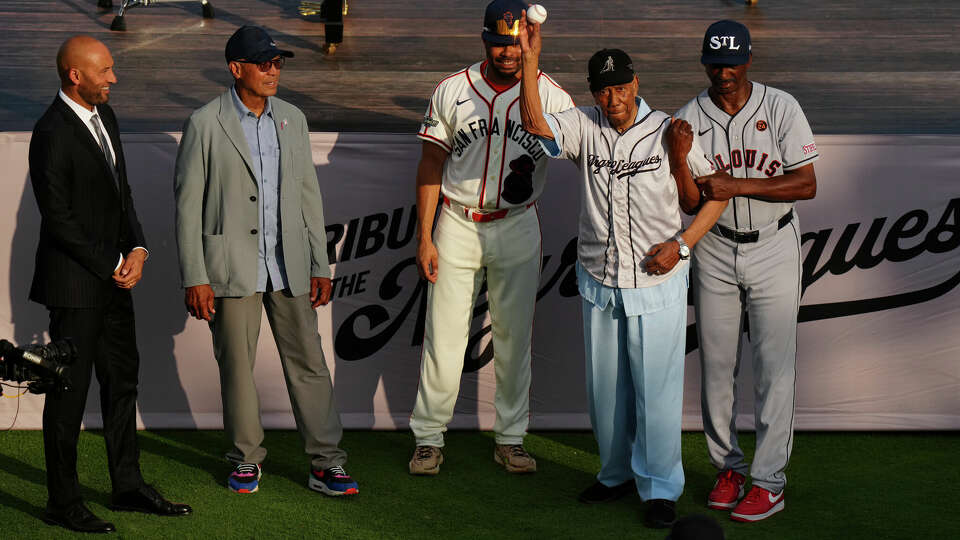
(529,38)
(537,14)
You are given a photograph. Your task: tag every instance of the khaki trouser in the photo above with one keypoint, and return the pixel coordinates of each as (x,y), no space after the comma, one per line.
(236,328)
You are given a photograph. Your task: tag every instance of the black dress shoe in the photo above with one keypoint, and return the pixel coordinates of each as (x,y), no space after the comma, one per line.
(149,501)
(661,514)
(599,493)
(78,518)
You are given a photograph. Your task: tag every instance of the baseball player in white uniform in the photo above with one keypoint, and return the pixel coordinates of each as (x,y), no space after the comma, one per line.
(750,263)
(490,172)
(631,270)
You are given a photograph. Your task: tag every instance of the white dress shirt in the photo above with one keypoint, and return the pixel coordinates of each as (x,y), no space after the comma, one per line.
(86,116)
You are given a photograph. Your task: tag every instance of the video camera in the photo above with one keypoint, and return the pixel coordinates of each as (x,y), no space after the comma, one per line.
(43,367)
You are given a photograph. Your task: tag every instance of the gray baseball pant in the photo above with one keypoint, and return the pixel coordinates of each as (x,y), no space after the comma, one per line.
(761,280)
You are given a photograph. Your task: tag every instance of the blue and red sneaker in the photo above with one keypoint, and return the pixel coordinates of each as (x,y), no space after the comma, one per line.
(245,478)
(333,481)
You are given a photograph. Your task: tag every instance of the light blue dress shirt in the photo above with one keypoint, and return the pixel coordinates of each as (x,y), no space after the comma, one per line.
(640,301)
(261,135)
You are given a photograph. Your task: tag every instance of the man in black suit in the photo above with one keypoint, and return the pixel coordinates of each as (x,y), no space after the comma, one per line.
(90,255)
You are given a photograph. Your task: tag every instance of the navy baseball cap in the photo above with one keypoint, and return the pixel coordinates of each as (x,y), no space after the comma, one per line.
(501,22)
(726,42)
(609,67)
(253,44)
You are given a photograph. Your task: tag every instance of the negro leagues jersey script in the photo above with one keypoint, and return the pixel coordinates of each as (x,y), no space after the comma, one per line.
(628,196)
(494,163)
(768,136)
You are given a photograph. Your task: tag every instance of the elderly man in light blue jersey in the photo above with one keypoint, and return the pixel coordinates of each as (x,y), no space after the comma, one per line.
(631,270)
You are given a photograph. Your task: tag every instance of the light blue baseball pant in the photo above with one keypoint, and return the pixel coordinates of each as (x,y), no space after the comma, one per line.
(634,341)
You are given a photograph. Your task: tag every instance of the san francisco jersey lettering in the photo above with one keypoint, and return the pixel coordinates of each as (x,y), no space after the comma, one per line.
(494,163)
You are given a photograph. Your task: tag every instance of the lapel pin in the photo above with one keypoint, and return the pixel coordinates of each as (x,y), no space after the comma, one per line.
(283,124)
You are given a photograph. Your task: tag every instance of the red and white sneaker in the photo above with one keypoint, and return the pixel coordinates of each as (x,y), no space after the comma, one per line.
(758,504)
(727,491)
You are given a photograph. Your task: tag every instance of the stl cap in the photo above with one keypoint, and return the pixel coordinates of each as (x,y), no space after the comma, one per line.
(726,42)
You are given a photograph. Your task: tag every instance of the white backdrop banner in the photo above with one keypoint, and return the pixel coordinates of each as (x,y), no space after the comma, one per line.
(879,346)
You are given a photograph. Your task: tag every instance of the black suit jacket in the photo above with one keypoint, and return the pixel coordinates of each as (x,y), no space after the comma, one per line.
(86,221)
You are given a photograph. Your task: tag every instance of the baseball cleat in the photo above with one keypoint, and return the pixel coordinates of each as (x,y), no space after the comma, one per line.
(426,460)
(726,491)
(514,458)
(757,505)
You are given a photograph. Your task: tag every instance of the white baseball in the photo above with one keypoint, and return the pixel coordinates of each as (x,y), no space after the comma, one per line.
(536,14)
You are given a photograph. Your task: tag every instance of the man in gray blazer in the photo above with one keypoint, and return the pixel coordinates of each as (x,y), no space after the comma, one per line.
(251,236)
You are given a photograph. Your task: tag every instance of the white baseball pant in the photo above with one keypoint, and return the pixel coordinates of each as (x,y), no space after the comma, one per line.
(509,250)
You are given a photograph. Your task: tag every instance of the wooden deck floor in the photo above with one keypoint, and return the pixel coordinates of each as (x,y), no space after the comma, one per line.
(882,66)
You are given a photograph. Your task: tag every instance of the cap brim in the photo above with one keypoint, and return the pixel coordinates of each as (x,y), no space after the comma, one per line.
(270,54)
(497,39)
(602,82)
(727,60)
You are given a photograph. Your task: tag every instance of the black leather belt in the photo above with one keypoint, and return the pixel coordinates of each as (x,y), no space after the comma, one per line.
(747,237)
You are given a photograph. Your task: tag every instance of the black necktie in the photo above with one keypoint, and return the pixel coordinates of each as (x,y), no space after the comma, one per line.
(105,147)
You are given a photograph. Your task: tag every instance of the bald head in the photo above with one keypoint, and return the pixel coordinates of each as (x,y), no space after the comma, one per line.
(85,67)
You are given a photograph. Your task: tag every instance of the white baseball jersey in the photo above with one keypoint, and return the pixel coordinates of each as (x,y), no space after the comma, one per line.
(628,198)
(494,163)
(768,136)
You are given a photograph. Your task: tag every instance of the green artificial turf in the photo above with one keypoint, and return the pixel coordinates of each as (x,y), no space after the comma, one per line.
(841,485)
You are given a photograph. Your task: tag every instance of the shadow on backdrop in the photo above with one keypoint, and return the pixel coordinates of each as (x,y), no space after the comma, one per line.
(379,302)
(158,303)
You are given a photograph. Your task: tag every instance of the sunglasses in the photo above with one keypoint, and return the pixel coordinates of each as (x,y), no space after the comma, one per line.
(265,66)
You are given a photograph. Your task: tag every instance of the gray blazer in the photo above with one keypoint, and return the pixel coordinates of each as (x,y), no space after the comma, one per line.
(217,214)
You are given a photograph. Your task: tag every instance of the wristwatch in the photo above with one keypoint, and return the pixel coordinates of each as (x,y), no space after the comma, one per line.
(684,249)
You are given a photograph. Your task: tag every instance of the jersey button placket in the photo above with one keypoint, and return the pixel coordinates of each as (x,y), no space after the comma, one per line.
(494,159)
(488,183)
(611,263)
(610,253)
(743,250)
(621,216)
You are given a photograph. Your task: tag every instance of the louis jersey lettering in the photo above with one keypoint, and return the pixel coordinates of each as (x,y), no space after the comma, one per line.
(628,198)
(768,136)
(493,163)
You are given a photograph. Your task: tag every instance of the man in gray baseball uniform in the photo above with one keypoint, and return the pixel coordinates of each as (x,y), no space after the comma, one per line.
(749,265)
